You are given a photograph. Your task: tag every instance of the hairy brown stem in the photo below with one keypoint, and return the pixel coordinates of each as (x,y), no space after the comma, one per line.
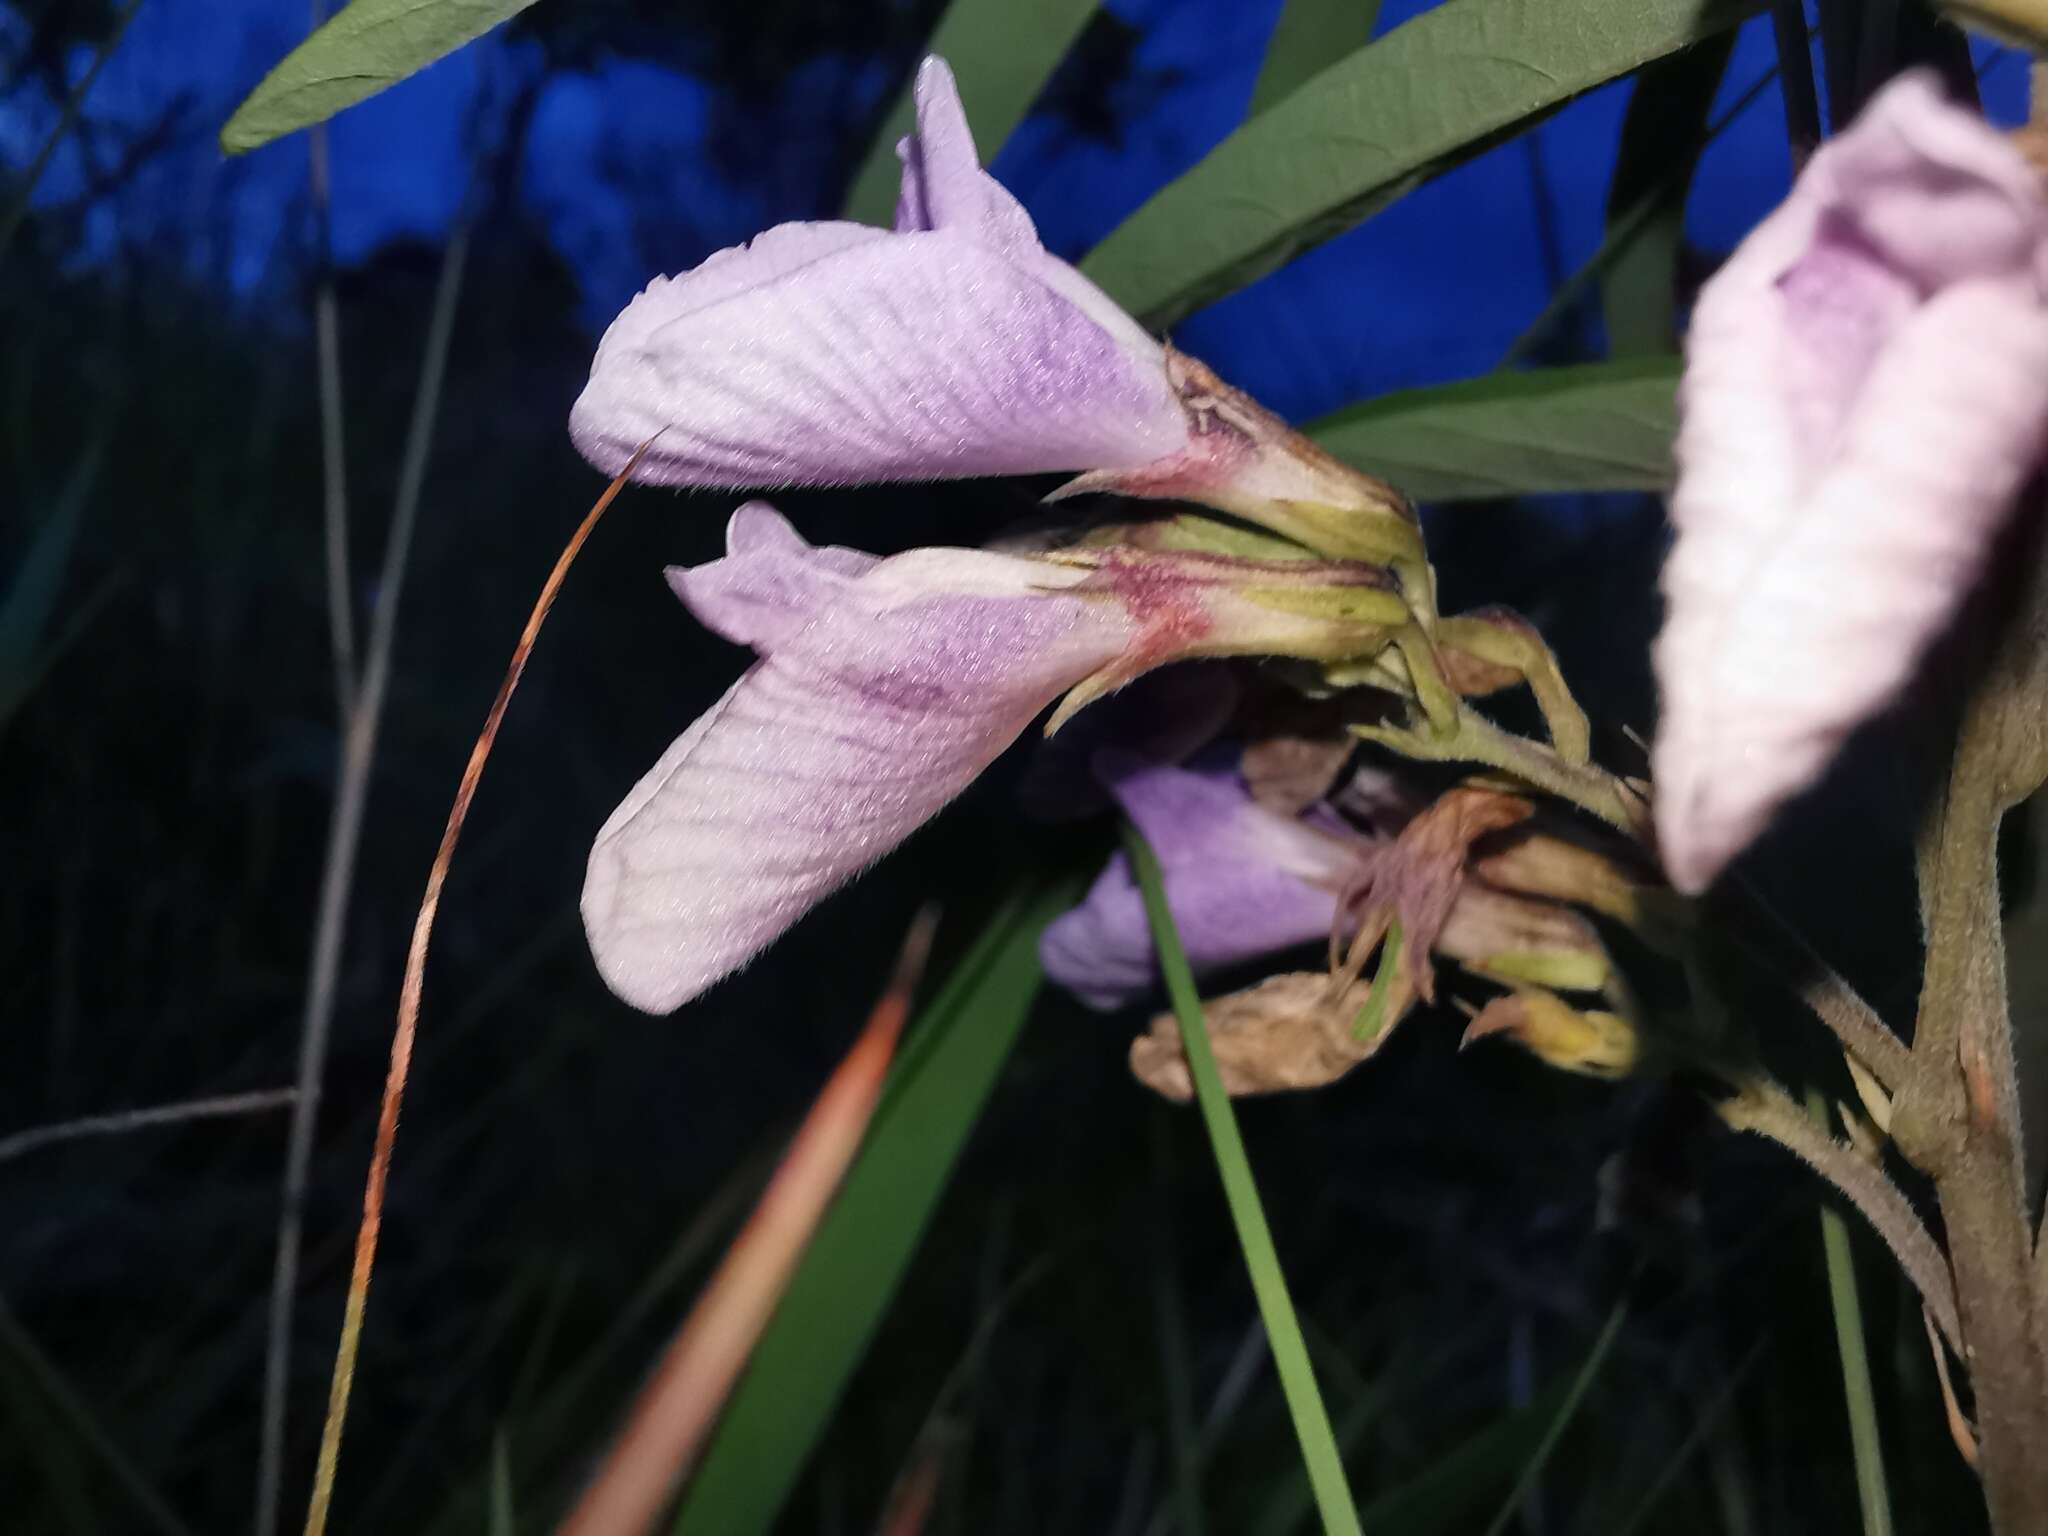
(1852,1021)
(1957,1119)
(1761,1106)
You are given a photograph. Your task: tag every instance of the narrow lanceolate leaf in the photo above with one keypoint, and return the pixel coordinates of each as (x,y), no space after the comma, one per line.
(1002,52)
(364,47)
(1309,37)
(934,1096)
(679,1404)
(1661,141)
(1426,96)
(1591,427)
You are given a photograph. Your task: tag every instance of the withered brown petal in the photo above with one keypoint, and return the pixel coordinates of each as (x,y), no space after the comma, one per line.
(1290,1031)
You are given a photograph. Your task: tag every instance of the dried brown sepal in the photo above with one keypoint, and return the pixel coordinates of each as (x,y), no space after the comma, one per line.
(1290,1031)
(1590,1042)
(1417,878)
(1516,939)
(1533,862)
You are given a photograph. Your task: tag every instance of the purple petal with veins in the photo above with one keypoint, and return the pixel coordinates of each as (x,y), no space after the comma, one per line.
(884,687)
(1240,881)
(831,353)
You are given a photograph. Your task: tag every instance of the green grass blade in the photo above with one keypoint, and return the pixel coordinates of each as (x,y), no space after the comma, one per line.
(1269,1282)
(1589,427)
(1561,1420)
(359,51)
(936,1090)
(1426,96)
(1872,1492)
(1309,36)
(502,1522)
(1002,52)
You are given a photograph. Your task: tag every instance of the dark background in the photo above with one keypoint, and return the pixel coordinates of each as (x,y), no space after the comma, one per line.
(165,787)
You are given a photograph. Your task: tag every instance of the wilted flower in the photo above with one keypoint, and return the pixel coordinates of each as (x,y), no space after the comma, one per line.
(953,345)
(1293,1030)
(1244,882)
(1866,390)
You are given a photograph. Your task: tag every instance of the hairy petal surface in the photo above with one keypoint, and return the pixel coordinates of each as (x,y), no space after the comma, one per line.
(1866,390)
(831,353)
(1240,881)
(884,687)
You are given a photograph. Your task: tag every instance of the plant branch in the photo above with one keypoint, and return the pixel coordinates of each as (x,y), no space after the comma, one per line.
(1958,1116)
(341,622)
(1759,1105)
(74,104)
(122,1121)
(1776,944)
(1478,740)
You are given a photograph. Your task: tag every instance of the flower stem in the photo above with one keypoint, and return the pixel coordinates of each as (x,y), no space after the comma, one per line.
(1760,1105)
(1269,1282)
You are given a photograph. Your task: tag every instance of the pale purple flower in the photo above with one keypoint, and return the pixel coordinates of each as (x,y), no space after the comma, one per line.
(833,353)
(884,687)
(1866,389)
(1241,881)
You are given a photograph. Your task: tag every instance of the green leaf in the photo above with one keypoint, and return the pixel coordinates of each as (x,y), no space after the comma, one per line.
(364,47)
(1624,226)
(936,1090)
(1662,138)
(1312,1429)
(1309,36)
(1002,52)
(1426,96)
(1590,427)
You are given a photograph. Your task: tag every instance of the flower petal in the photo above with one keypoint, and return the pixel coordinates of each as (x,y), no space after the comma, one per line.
(944,186)
(886,357)
(770,583)
(1866,391)
(858,725)
(1240,881)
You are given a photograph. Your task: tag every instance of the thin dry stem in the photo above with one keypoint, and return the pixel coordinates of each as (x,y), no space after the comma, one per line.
(363,716)
(120,1122)
(341,623)
(408,1021)
(675,1412)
